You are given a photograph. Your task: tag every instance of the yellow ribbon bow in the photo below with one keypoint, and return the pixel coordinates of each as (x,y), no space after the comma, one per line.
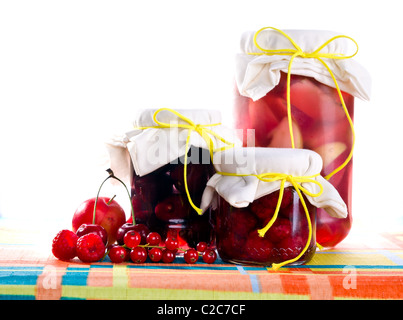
(296,182)
(316,54)
(201,129)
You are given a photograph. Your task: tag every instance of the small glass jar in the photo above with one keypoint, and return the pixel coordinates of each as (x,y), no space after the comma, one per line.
(265,202)
(161,203)
(237,237)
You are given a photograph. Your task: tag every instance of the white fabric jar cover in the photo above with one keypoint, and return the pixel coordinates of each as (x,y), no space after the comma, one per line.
(240,191)
(256,75)
(148,148)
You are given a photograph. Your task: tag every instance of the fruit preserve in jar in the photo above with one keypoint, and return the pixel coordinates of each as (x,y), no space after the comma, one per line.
(265,201)
(238,240)
(167,161)
(316,118)
(161,203)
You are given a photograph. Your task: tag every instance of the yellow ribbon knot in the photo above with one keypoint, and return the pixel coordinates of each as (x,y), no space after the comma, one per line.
(296,182)
(318,55)
(201,129)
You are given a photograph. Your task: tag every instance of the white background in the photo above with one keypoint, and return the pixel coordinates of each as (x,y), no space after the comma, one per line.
(72,73)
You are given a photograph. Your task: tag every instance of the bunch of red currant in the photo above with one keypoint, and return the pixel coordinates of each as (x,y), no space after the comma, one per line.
(135,251)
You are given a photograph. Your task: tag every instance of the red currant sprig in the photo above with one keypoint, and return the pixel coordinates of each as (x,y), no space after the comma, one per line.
(166,253)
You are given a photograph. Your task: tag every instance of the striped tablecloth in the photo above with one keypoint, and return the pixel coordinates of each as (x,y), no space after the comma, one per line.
(364,266)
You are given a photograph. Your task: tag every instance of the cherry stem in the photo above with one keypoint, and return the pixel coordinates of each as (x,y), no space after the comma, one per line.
(110,200)
(111,175)
(147,245)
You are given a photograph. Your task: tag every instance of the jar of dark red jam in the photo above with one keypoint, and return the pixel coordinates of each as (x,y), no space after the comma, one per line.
(161,203)
(237,237)
(166,159)
(318,119)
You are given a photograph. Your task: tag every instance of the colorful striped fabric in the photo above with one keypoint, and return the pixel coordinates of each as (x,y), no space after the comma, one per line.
(362,267)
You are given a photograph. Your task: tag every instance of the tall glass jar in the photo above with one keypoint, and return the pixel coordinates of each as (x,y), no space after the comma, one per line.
(319,124)
(316,116)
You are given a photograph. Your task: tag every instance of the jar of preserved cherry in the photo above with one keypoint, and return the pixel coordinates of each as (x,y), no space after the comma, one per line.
(167,158)
(296,89)
(265,201)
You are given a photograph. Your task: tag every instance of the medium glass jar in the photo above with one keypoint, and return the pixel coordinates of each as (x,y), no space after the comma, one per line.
(166,158)
(237,237)
(161,203)
(319,124)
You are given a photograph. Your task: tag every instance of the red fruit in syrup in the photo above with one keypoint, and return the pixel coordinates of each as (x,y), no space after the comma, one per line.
(197,177)
(271,199)
(316,100)
(152,187)
(257,249)
(290,247)
(242,221)
(172,207)
(280,229)
(262,124)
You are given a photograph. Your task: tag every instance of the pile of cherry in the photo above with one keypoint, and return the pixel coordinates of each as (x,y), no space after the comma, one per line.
(134,243)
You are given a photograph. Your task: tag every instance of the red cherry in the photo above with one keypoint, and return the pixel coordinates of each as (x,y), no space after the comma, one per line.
(201,246)
(132,239)
(86,228)
(118,254)
(155,254)
(171,243)
(209,256)
(143,230)
(168,256)
(153,238)
(191,256)
(138,255)
(122,231)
